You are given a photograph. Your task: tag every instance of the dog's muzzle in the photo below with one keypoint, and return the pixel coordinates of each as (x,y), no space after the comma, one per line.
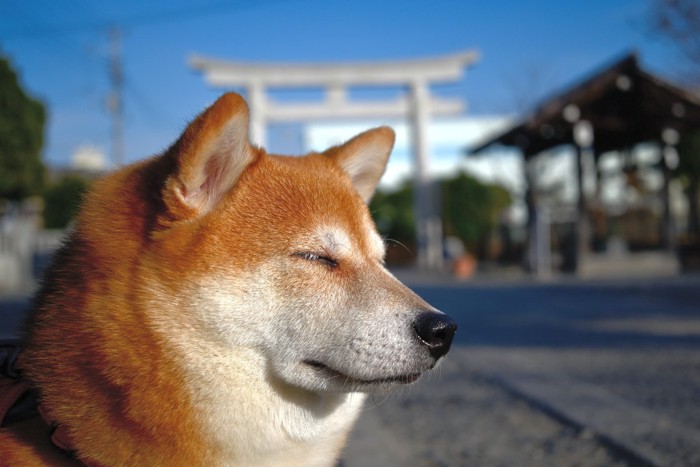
(435,330)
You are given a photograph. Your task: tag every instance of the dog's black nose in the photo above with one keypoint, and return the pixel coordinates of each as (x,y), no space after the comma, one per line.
(436,330)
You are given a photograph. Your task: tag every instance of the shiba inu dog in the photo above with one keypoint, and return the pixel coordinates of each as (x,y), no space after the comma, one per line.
(218,305)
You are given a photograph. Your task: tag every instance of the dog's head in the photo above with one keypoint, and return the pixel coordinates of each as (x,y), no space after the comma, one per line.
(281,257)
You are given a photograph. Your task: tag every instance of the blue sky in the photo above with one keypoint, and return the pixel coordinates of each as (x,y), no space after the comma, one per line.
(527,48)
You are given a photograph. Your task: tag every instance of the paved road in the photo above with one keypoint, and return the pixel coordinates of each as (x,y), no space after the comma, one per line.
(588,374)
(465,418)
(613,367)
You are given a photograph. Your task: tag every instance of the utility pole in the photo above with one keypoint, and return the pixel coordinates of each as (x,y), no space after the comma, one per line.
(115,101)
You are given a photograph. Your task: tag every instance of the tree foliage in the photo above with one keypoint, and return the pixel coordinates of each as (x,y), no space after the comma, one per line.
(22,121)
(678,22)
(393,213)
(62,201)
(470,210)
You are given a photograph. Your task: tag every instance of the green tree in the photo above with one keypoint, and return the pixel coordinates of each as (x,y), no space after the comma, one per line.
(22,121)
(62,201)
(393,213)
(471,209)
(678,23)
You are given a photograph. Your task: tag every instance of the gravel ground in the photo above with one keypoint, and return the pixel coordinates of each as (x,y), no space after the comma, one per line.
(462,418)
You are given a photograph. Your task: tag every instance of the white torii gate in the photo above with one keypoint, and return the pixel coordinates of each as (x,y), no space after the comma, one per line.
(418,106)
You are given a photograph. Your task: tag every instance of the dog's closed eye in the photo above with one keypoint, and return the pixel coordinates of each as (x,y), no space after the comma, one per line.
(317,257)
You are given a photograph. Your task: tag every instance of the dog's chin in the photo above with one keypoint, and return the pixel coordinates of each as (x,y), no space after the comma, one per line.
(330,379)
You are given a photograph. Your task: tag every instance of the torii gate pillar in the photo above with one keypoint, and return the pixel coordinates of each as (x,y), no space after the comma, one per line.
(428,221)
(258,102)
(418,106)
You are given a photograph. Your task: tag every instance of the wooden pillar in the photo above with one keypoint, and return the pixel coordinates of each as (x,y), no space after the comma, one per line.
(529,260)
(581,205)
(583,137)
(669,161)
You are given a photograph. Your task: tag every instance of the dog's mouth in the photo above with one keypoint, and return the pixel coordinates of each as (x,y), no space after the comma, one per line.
(329,373)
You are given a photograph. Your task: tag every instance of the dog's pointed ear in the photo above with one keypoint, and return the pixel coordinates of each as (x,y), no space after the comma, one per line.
(364,158)
(208,158)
